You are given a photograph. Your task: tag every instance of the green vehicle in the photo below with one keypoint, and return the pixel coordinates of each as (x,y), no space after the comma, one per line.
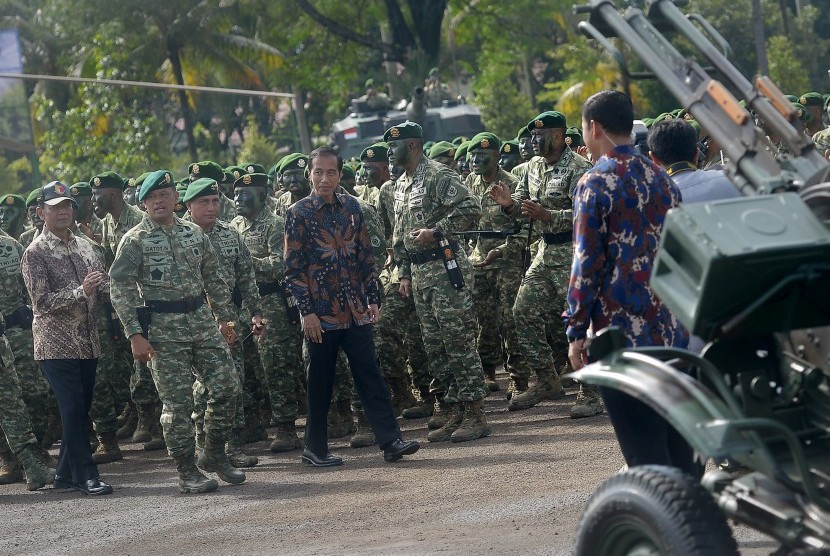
(751,276)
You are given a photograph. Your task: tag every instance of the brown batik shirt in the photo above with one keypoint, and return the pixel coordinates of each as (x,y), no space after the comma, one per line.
(65,323)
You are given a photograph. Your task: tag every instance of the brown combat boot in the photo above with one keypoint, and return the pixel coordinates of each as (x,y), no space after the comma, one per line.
(216,461)
(191,480)
(156,441)
(145,421)
(236,456)
(341,420)
(474,424)
(588,403)
(37,474)
(10,469)
(127,429)
(365,436)
(454,417)
(285,438)
(440,414)
(421,409)
(108,449)
(402,396)
(517,386)
(490,380)
(547,389)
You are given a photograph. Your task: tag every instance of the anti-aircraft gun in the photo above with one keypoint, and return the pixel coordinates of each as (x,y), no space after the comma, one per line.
(751,276)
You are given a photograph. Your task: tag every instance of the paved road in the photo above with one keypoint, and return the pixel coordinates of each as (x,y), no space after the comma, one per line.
(520,491)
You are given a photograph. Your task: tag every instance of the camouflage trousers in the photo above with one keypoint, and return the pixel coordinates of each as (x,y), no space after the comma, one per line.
(14,416)
(173,368)
(449,330)
(280,354)
(142,387)
(536,312)
(36,391)
(112,382)
(254,394)
(201,393)
(494,292)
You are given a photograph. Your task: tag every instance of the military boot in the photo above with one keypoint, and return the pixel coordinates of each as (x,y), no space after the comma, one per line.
(364,436)
(145,421)
(285,438)
(440,413)
(340,419)
(10,468)
(156,441)
(53,430)
(517,386)
(455,416)
(216,461)
(588,402)
(37,474)
(236,456)
(420,409)
(191,480)
(402,396)
(131,420)
(474,424)
(108,450)
(549,389)
(490,379)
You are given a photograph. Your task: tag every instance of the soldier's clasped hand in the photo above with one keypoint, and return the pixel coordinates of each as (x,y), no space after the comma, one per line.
(534,210)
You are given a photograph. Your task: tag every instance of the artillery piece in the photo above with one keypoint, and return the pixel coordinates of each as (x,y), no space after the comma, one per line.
(751,276)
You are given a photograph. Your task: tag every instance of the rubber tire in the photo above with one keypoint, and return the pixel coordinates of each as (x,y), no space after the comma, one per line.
(670,511)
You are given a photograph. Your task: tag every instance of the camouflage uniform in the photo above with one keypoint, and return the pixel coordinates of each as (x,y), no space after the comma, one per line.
(28,236)
(282,203)
(172,264)
(227,210)
(434,197)
(541,297)
(495,286)
(820,138)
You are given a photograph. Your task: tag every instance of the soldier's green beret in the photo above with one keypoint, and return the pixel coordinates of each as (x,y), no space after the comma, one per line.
(182,184)
(791,98)
(205,169)
(662,117)
(811,99)
(441,148)
(369,83)
(160,179)
(33,197)
(251,180)
(348,173)
(484,140)
(227,177)
(460,139)
(428,145)
(461,151)
(379,152)
(294,161)
(523,132)
(13,200)
(272,173)
(696,127)
(107,180)
(548,120)
(253,168)
(433,71)
(406,130)
(81,189)
(509,147)
(573,137)
(180,206)
(201,188)
(826,97)
(235,172)
(648,122)
(678,113)
(802,113)
(140,179)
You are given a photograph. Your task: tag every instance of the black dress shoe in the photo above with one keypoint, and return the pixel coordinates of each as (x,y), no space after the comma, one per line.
(398,449)
(63,483)
(329,460)
(95,487)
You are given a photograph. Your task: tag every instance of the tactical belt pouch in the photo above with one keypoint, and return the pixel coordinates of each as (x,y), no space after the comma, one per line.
(269,288)
(292,309)
(236,297)
(558,238)
(145,316)
(113,322)
(445,252)
(187,305)
(433,254)
(22,317)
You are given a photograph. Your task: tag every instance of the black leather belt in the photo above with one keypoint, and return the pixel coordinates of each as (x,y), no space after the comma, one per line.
(187,305)
(436,254)
(269,288)
(558,238)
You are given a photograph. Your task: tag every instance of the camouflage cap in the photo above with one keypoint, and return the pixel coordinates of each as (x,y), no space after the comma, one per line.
(33,198)
(811,99)
(202,187)
(484,140)
(405,130)
(253,168)
(294,161)
(205,169)
(461,151)
(441,148)
(107,180)
(80,189)
(548,120)
(251,180)
(508,147)
(160,179)
(14,200)
(379,152)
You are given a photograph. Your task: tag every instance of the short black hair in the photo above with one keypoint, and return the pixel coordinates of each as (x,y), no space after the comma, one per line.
(325,151)
(673,141)
(612,109)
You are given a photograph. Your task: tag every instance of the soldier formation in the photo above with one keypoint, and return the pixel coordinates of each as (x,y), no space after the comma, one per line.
(202,348)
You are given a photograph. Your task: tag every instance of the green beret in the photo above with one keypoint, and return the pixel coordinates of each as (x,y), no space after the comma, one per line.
(406,130)
(294,161)
(272,173)
(826,97)
(802,113)
(33,197)
(107,180)
(648,122)
(348,173)
(811,99)
(696,127)
(253,168)
(235,172)
(548,120)
(201,188)
(182,184)
(461,151)
(678,112)
(379,152)
(428,145)
(509,147)
(369,83)
(441,148)
(791,98)
(13,200)
(160,179)
(573,137)
(180,206)
(485,140)
(81,189)
(433,71)
(460,139)
(662,117)
(206,169)
(251,180)
(523,132)
(140,179)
